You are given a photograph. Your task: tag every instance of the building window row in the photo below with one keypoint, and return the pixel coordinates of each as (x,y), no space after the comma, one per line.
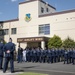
(43,10)
(6,31)
(44,29)
(1,32)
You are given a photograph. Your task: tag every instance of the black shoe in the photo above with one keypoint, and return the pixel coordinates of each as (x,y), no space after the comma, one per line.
(1,68)
(12,71)
(4,71)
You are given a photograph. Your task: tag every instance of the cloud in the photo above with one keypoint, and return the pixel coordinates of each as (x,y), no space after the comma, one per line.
(14,0)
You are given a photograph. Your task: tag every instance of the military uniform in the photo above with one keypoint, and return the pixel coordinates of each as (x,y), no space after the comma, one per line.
(34,56)
(20,54)
(1,54)
(73,57)
(9,56)
(49,56)
(66,56)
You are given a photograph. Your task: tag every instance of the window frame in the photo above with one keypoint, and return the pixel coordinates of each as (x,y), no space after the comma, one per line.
(47,9)
(1,32)
(13,31)
(6,31)
(44,30)
(42,10)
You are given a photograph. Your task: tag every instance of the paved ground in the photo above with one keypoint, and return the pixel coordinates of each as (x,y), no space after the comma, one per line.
(50,69)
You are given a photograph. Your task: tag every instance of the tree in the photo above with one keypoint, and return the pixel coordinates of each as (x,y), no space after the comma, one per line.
(55,42)
(4,42)
(68,43)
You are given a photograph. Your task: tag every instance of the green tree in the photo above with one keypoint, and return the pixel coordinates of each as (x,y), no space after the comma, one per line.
(4,42)
(68,43)
(55,42)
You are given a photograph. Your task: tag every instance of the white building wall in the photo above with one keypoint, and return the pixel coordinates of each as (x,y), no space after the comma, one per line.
(62,25)
(28,29)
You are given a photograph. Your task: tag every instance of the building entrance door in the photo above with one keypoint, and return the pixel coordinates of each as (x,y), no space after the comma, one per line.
(34,44)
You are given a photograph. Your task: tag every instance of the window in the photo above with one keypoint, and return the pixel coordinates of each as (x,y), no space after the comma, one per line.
(42,9)
(44,29)
(6,31)
(47,9)
(13,31)
(1,32)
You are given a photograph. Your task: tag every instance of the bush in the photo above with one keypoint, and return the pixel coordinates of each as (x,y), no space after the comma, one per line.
(68,43)
(55,42)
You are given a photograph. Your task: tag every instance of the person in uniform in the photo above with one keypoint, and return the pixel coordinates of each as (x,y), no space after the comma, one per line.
(41,55)
(34,55)
(9,55)
(52,55)
(48,55)
(1,53)
(73,56)
(66,56)
(20,50)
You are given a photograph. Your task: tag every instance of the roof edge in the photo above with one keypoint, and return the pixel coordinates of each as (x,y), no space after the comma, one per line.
(27,1)
(38,0)
(48,4)
(10,20)
(57,13)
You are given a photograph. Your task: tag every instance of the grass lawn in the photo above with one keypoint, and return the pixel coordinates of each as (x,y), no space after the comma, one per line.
(31,73)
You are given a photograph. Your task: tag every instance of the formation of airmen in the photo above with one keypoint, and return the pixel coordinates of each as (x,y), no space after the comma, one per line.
(33,55)
(48,55)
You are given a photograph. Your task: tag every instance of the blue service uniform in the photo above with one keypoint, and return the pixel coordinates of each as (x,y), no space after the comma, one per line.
(56,55)
(41,56)
(62,54)
(27,55)
(34,56)
(69,56)
(31,55)
(20,54)
(66,56)
(49,56)
(52,56)
(1,54)
(73,57)
(38,55)
(59,55)
(9,56)
(44,55)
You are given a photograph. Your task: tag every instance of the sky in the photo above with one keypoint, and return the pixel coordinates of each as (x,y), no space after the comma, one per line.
(9,8)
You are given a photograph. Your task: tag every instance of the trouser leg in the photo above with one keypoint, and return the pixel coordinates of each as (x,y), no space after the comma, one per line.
(12,64)
(5,64)
(1,61)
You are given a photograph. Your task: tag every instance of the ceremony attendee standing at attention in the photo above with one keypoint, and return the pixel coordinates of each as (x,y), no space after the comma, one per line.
(1,53)
(9,55)
(20,54)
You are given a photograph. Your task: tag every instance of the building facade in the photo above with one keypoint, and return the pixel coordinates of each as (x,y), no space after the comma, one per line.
(37,22)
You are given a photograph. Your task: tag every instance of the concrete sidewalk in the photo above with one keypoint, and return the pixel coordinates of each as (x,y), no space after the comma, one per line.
(9,73)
